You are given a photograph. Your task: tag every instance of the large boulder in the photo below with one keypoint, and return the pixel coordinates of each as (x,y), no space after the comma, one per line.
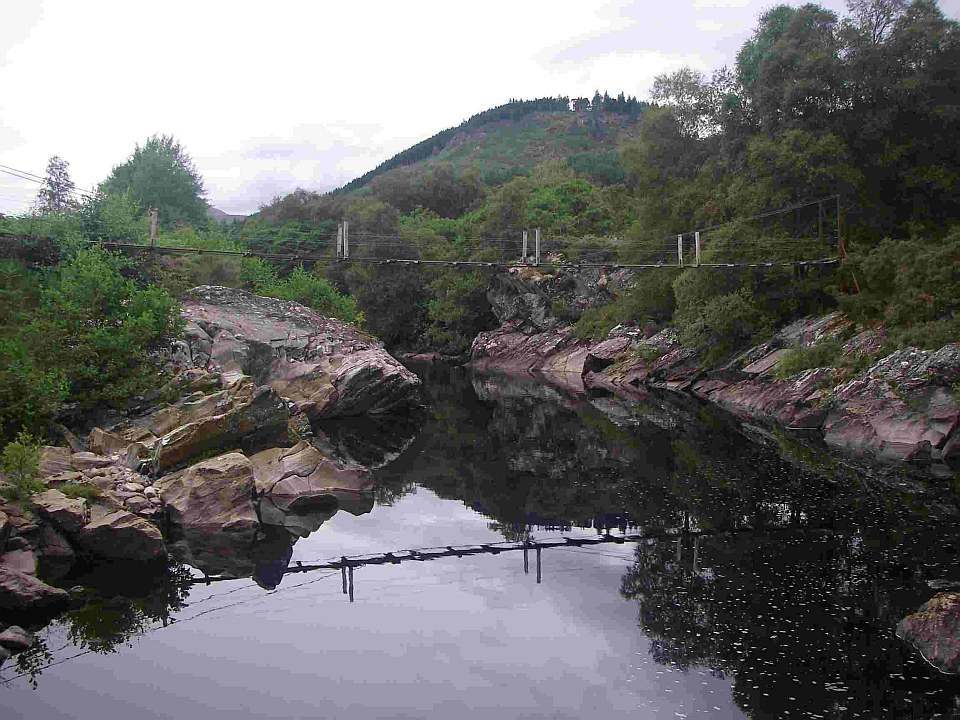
(68,514)
(121,535)
(214,495)
(4,529)
(20,591)
(934,630)
(326,367)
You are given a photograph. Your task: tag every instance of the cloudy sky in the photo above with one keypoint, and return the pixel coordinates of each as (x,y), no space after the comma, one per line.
(267,97)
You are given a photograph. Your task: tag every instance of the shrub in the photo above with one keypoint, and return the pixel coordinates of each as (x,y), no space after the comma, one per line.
(723,325)
(30,396)
(82,490)
(20,461)
(307,288)
(796,360)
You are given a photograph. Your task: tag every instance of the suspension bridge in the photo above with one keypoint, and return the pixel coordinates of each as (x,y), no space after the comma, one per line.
(811,241)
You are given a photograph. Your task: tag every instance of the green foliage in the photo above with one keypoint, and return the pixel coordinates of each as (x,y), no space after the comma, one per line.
(457,311)
(650,299)
(161,174)
(99,329)
(306,288)
(913,286)
(30,394)
(796,360)
(116,217)
(19,462)
(81,490)
(722,325)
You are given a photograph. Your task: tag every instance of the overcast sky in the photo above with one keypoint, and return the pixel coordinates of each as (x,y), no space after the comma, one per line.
(270,96)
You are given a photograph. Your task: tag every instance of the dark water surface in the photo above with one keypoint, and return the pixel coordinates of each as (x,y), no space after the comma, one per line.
(778,602)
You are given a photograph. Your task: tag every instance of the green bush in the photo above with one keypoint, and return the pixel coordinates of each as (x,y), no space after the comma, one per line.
(913,286)
(20,461)
(82,490)
(796,360)
(306,288)
(723,325)
(650,298)
(30,396)
(100,330)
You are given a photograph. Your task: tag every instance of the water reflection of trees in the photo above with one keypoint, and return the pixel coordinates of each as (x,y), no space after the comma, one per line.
(114,610)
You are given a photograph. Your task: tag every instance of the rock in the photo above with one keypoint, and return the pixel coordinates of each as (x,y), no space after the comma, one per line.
(19,591)
(123,536)
(301,475)
(212,496)
(5,528)
(4,655)
(18,543)
(88,461)
(150,492)
(103,442)
(20,560)
(934,630)
(54,547)
(68,514)
(138,504)
(902,408)
(133,487)
(328,368)
(260,422)
(16,639)
(54,460)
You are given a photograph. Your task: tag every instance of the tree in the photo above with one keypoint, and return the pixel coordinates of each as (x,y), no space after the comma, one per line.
(876,17)
(161,174)
(56,195)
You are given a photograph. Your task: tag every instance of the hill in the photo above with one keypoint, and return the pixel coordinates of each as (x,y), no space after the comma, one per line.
(511,139)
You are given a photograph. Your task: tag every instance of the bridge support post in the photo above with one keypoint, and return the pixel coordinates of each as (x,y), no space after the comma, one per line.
(343,573)
(154,227)
(350,575)
(523,253)
(536,241)
(340,255)
(696,243)
(526,561)
(679,250)
(346,240)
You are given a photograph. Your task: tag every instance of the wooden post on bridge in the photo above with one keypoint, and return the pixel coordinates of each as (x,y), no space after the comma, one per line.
(340,255)
(679,250)
(696,244)
(154,226)
(536,242)
(523,254)
(346,240)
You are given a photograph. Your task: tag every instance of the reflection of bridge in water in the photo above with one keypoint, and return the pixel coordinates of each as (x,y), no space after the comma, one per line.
(348,564)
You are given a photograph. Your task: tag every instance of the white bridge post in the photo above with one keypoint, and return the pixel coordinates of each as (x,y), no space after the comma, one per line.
(346,240)
(679,250)
(536,241)
(340,255)
(523,254)
(696,241)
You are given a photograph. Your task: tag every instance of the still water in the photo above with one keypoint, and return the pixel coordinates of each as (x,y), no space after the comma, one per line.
(775,595)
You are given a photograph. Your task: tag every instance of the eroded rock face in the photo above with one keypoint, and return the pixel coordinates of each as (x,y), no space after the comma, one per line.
(122,535)
(20,591)
(934,630)
(327,368)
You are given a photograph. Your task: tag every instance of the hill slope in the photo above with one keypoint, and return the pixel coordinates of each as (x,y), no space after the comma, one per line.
(511,139)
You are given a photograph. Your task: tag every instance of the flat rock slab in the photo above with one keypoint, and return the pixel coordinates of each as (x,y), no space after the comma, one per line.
(21,560)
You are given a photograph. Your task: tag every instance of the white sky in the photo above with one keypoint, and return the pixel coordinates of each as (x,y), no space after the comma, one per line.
(267,97)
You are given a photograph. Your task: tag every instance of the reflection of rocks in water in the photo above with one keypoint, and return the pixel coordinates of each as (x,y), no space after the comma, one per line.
(372,440)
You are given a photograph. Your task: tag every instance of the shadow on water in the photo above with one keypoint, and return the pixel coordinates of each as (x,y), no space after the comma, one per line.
(797,606)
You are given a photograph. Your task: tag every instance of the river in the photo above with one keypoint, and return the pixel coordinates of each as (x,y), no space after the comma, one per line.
(769,588)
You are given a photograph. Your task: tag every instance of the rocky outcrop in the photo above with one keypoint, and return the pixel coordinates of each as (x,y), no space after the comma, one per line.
(934,630)
(20,591)
(326,367)
(903,408)
(120,535)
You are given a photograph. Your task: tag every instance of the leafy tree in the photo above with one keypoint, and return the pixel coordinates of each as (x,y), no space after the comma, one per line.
(19,461)
(161,174)
(56,195)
